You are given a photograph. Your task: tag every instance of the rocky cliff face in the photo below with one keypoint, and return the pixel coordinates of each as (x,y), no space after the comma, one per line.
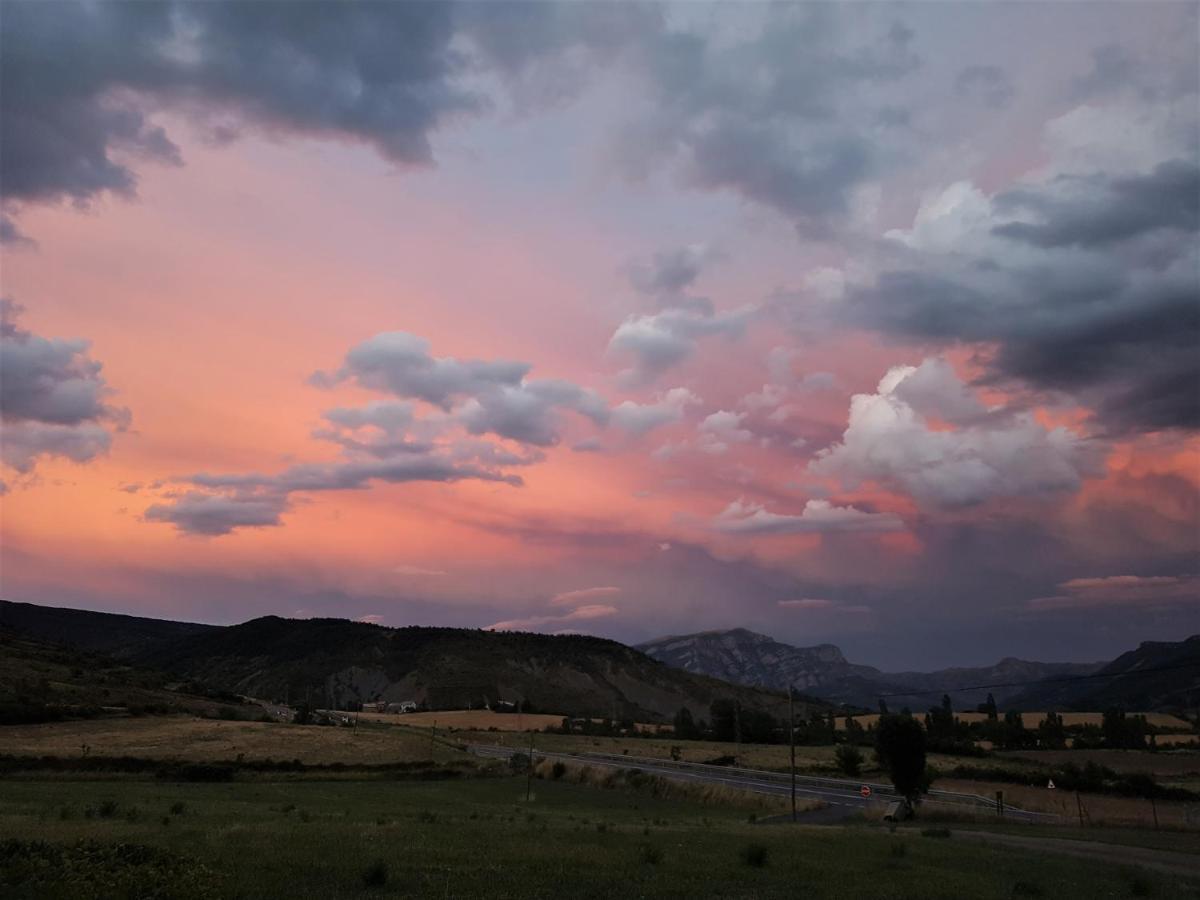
(746,657)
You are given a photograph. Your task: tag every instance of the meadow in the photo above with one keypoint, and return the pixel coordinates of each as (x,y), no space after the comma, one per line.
(480,838)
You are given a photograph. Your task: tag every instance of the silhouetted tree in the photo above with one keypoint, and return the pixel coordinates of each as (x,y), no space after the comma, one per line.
(848,759)
(900,747)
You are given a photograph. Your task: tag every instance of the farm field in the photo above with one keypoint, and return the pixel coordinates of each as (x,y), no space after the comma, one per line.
(479,838)
(1033,719)
(465,720)
(207,740)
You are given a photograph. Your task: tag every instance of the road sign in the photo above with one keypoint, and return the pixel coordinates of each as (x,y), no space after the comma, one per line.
(1050,784)
(865,790)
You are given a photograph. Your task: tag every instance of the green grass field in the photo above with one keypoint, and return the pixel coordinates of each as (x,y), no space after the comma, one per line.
(479,838)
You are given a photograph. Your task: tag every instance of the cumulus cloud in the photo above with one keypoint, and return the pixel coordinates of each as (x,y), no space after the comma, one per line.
(54,400)
(667,274)
(721,429)
(486,396)
(817,517)
(891,440)
(639,418)
(663,340)
(1122,590)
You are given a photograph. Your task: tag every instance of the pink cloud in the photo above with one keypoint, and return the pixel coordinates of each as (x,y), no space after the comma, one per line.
(570,598)
(534,623)
(1122,590)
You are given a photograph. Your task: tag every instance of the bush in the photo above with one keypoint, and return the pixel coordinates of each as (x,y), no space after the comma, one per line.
(178,807)
(755,855)
(848,758)
(558,770)
(107,809)
(376,874)
(651,854)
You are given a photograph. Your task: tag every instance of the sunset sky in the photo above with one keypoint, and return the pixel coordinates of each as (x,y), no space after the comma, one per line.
(876,325)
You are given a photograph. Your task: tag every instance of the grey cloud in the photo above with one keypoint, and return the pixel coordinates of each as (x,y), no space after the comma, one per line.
(399,363)
(23,442)
(488,397)
(990,84)
(212,515)
(1086,285)
(53,398)
(668,273)
(640,418)
(386,74)
(1096,211)
(661,341)
(768,115)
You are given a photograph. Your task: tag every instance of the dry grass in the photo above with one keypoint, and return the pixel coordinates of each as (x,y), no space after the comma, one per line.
(669,789)
(206,740)
(1098,809)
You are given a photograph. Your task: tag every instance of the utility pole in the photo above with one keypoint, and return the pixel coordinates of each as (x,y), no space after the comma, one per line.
(1079,803)
(792,743)
(737,731)
(432,735)
(529,773)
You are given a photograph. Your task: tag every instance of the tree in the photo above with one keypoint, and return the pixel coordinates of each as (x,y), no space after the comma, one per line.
(725,717)
(1051,734)
(848,758)
(883,707)
(989,707)
(685,725)
(900,747)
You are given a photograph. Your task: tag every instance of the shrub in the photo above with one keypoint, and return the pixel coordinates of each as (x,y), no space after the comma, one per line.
(376,874)
(107,809)
(178,807)
(1027,889)
(848,758)
(651,854)
(755,855)
(426,817)
(558,770)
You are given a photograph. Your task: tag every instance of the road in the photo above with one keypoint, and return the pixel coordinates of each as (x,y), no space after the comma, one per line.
(1170,862)
(837,792)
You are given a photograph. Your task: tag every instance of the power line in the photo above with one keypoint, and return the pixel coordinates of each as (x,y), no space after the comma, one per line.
(1061,680)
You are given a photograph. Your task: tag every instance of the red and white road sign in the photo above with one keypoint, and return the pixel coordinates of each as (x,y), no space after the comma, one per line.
(865,790)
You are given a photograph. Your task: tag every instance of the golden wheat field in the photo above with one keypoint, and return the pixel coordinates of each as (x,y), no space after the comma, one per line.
(207,740)
(467,720)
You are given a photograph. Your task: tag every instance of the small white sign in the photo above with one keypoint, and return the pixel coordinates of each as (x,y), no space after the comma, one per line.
(1050,784)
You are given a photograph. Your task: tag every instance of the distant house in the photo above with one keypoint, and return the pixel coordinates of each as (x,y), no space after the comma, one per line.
(402,706)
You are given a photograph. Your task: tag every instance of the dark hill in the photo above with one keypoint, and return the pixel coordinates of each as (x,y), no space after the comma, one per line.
(114,635)
(338,662)
(1158,675)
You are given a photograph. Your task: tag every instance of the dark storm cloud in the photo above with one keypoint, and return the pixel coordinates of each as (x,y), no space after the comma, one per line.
(1102,210)
(82,80)
(53,399)
(1088,285)
(990,84)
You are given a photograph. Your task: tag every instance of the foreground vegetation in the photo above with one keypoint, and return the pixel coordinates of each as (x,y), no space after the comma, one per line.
(480,838)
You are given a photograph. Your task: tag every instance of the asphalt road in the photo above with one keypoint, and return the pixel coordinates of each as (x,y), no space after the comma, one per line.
(836,792)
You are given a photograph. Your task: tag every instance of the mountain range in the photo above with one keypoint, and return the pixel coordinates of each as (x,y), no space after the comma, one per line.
(337,662)
(746,657)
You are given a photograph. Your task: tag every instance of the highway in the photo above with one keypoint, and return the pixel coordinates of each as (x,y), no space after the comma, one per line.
(832,791)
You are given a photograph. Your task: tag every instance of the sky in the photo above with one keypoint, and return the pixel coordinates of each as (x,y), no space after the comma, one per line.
(876,325)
